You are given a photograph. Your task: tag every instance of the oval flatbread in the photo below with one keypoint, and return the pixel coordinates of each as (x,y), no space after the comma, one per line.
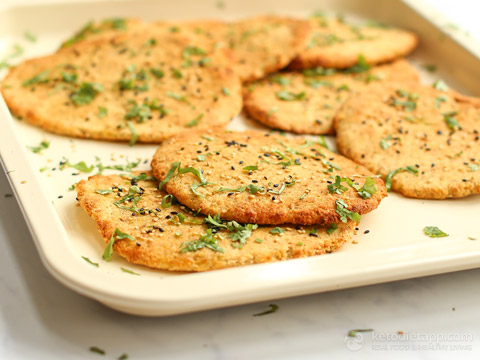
(145,227)
(305,103)
(335,44)
(144,87)
(255,177)
(425,141)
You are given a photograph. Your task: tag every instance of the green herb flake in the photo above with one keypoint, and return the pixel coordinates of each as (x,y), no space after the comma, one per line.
(195,121)
(201,158)
(257,240)
(81,166)
(177,74)
(43,145)
(225,91)
(97,350)
(360,67)
(169,175)
(272,110)
(117,235)
(177,97)
(434,232)
(281,80)
(30,37)
(86,93)
(90,261)
(129,271)
(277,230)
(250,168)
(69,78)
(286,95)
(451,122)
(102,112)
(104,192)
(273,308)
(167,201)
(353,333)
(346,214)
(207,240)
(440,85)
(134,138)
(386,142)
(368,189)
(473,167)
(208,138)
(430,68)
(331,229)
(391,174)
(157,73)
(40,78)
(124,356)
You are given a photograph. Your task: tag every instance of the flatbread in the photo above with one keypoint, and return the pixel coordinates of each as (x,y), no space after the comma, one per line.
(305,103)
(335,44)
(431,135)
(151,86)
(160,237)
(255,177)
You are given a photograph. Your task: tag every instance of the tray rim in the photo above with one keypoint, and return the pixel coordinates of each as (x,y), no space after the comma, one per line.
(11,147)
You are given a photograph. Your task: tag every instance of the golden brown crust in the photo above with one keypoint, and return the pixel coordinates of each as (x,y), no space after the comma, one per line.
(415,133)
(334,44)
(324,95)
(200,90)
(161,249)
(304,196)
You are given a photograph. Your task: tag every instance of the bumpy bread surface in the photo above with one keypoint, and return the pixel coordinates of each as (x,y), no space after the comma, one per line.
(188,85)
(303,183)
(260,45)
(324,95)
(159,241)
(415,132)
(105,29)
(334,44)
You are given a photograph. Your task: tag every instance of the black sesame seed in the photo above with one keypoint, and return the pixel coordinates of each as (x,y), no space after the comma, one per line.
(366,231)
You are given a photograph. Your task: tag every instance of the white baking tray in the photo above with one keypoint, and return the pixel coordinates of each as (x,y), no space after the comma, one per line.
(394,249)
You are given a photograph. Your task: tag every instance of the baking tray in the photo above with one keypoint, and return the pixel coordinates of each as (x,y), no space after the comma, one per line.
(394,249)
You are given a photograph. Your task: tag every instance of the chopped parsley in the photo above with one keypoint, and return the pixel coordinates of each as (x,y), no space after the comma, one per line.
(97,350)
(410,102)
(207,240)
(273,308)
(104,192)
(178,97)
(225,91)
(314,83)
(134,80)
(451,122)
(346,214)
(331,229)
(177,74)
(386,142)
(117,234)
(440,85)
(90,261)
(337,187)
(30,37)
(167,201)
(430,68)
(353,333)
(102,112)
(368,189)
(253,189)
(134,138)
(86,93)
(250,168)
(360,67)
(272,110)
(129,271)
(473,167)
(391,174)
(69,78)
(286,95)
(433,232)
(281,80)
(40,78)
(277,230)
(43,145)
(157,73)
(195,121)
